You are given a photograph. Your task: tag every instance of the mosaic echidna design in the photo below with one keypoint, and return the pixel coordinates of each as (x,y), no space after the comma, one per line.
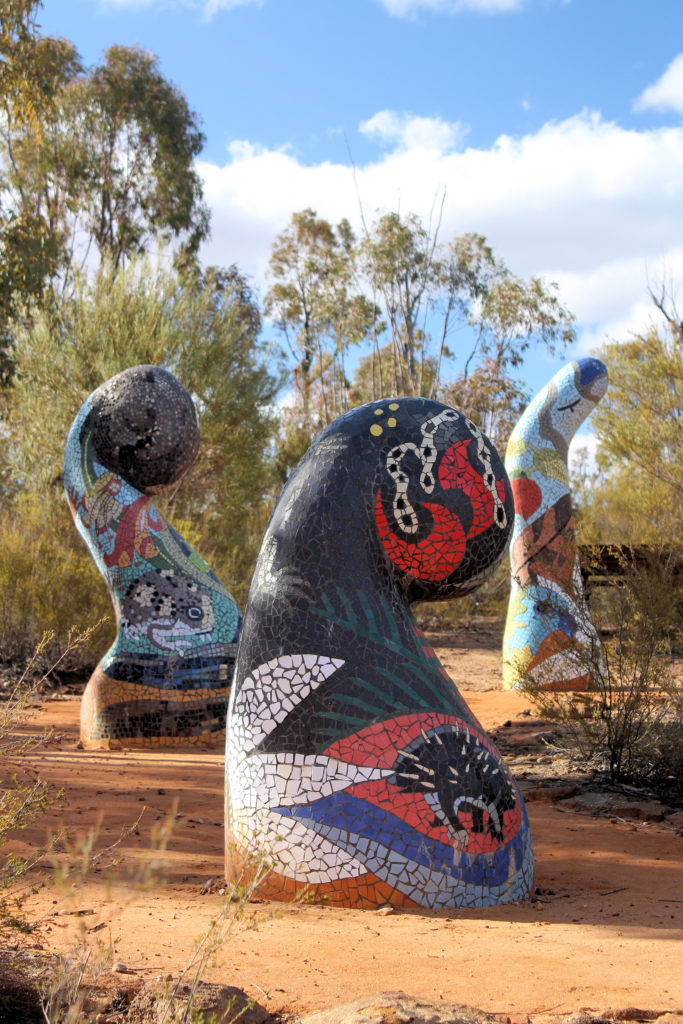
(549,637)
(355,770)
(166,679)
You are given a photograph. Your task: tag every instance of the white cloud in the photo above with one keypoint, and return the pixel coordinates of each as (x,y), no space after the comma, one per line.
(584,202)
(612,301)
(667,92)
(410,8)
(208,8)
(406,132)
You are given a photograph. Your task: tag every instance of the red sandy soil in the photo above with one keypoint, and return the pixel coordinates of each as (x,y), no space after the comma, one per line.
(603,929)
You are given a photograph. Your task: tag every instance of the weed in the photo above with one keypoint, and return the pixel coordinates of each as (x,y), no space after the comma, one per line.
(24,796)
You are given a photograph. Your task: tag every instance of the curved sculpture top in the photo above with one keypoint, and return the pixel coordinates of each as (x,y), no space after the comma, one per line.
(353,764)
(166,678)
(549,636)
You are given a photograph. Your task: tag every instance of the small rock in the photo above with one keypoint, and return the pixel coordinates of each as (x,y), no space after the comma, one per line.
(614,803)
(589,1018)
(630,1013)
(120,968)
(398,1008)
(211,1002)
(385,910)
(675,819)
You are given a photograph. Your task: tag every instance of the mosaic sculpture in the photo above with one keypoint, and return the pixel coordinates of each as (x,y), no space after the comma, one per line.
(354,767)
(549,636)
(166,679)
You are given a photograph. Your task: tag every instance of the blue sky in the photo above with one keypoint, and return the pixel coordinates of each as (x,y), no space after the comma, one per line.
(555,126)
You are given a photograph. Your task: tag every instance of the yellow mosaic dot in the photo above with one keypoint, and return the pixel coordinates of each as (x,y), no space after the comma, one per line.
(376,429)
(391,421)
(378,412)
(394,405)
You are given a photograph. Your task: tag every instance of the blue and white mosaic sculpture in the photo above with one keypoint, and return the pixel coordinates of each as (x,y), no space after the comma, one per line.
(549,637)
(354,767)
(165,680)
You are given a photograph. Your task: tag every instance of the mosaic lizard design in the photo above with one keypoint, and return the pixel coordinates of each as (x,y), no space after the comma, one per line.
(354,766)
(165,680)
(549,636)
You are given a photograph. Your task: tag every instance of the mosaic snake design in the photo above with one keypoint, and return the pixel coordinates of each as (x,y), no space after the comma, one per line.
(549,635)
(353,764)
(165,680)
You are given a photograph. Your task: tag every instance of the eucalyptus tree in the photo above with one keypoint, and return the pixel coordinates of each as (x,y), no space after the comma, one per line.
(318,306)
(427,290)
(93,161)
(638,492)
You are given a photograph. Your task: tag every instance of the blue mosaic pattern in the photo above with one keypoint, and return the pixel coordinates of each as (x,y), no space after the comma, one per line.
(353,764)
(166,678)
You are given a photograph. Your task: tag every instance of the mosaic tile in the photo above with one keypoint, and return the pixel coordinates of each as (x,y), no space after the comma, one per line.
(549,636)
(353,764)
(166,678)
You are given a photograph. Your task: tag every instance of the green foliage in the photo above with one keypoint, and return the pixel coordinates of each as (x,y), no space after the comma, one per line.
(638,494)
(142,139)
(399,258)
(330,293)
(315,302)
(492,398)
(99,158)
(32,210)
(489,601)
(631,724)
(48,586)
(377,372)
(427,288)
(201,327)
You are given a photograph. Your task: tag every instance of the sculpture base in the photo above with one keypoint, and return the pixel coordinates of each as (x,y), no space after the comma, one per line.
(117,715)
(256,877)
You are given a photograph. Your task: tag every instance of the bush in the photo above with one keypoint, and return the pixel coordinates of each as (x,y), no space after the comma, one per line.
(205,330)
(24,796)
(631,723)
(490,600)
(49,587)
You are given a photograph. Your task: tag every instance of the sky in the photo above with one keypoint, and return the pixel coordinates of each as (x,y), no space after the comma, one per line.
(552,127)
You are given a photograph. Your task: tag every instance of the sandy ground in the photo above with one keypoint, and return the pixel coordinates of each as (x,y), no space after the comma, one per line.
(603,930)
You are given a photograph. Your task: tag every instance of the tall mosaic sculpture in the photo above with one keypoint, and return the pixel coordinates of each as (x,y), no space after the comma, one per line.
(354,767)
(549,637)
(166,679)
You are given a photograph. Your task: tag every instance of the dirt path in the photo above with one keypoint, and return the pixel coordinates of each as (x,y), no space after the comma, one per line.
(604,930)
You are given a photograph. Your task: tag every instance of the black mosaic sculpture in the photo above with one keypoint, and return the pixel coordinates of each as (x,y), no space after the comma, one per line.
(165,681)
(353,764)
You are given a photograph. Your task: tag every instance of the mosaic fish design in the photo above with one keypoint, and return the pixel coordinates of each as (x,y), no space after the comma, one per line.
(354,766)
(549,636)
(166,679)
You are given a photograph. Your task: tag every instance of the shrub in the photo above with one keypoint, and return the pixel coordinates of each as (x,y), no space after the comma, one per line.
(49,587)
(631,723)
